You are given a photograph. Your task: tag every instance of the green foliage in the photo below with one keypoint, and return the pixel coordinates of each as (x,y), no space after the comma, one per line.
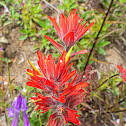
(2,3)
(29,16)
(101,44)
(122,1)
(68,5)
(23,37)
(4,59)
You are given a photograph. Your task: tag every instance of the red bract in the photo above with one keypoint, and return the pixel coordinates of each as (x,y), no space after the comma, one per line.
(122,72)
(71,28)
(63,96)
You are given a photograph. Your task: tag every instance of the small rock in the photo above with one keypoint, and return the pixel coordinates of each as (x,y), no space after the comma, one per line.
(3,40)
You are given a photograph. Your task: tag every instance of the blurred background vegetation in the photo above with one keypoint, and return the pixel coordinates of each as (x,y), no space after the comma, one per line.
(107,102)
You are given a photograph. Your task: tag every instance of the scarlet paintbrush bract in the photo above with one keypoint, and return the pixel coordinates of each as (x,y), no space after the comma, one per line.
(60,95)
(122,72)
(70,30)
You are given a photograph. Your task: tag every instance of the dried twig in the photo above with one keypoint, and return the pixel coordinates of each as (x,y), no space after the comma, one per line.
(116,104)
(96,39)
(105,81)
(52,6)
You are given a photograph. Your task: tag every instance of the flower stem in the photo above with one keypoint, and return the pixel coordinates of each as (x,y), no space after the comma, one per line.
(9,80)
(4,107)
(40,121)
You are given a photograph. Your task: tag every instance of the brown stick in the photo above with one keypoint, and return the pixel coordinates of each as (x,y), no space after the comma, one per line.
(95,41)
(105,81)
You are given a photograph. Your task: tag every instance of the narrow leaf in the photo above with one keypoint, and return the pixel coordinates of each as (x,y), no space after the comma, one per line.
(23,37)
(7,22)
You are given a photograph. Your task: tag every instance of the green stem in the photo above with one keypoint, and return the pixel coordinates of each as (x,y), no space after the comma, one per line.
(4,107)
(40,121)
(9,81)
(105,81)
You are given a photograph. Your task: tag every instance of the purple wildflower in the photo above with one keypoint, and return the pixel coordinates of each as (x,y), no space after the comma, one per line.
(23,109)
(6,10)
(1,49)
(14,110)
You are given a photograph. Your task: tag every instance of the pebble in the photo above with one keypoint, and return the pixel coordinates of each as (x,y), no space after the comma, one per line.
(3,40)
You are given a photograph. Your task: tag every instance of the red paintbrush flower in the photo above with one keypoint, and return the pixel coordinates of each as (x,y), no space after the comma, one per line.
(70,30)
(63,96)
(122,72)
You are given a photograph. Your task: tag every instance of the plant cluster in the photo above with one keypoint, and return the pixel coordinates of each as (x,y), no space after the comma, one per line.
(28,15)
(60,95)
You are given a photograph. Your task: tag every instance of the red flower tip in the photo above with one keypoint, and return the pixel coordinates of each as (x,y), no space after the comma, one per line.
(120,68)
(70,29)
(63,96)
(71,116)
(57,45)
(79,52)
(122,72)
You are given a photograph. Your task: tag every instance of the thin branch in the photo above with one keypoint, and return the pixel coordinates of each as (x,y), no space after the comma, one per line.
(52,6)
(116,104)
(119,84)
(105,81)
(9,81)
(96,39)
(115,111)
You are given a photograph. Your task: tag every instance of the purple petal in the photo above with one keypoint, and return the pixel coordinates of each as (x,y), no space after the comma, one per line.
(15,119)
(24,105)
(10,112)
(1,49)
(17,103)
(25,119)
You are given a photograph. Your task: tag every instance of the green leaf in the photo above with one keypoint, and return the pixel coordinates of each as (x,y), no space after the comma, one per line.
(33,38)
(6,59)
(28,3)
(21,123)
(37,15)
(103,87)
(7,22)
(17,16)
(39,21)
(37,1)
(32,33)
(49,113)
(2,104)
(95,95)
(18,22)
(86,13)
(29,89)
(12,11)
(23,31)
(23,37)
(61,7)
(101,51)
(122,1)
(17,88)
(2,3)
(103,43)
(74,6)
(35,47)
(38,8)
